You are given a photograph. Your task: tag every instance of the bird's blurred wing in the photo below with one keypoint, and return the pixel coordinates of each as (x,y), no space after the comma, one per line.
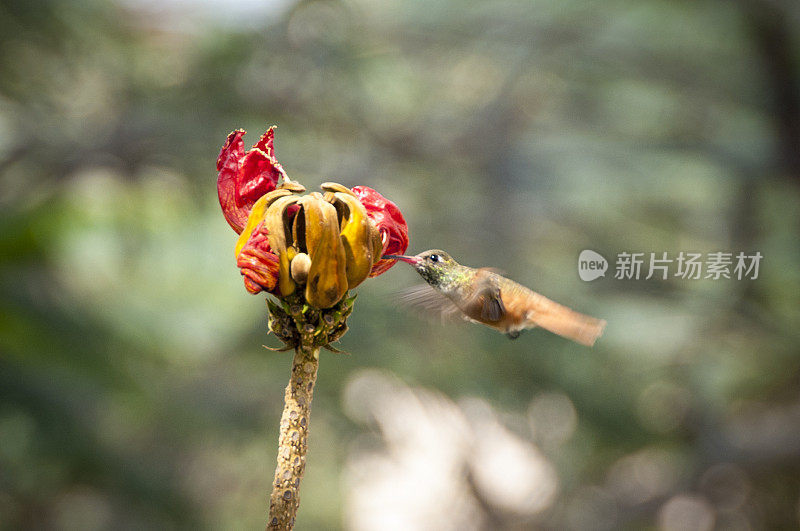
(487,302)
(431,303)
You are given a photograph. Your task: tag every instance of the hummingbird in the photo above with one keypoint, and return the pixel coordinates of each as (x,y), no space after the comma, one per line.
(483,295)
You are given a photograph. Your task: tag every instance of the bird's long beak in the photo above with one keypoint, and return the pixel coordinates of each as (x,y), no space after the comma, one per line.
(413,260)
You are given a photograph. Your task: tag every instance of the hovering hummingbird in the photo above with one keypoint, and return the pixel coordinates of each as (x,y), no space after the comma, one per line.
(485,296)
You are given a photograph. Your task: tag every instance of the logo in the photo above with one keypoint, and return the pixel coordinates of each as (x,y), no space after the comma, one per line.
(591,265)
(664,266)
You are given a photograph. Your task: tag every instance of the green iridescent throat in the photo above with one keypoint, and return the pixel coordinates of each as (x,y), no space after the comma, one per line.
(445,277)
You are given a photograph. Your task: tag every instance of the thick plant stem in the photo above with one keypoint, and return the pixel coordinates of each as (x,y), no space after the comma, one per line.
(305,329)
(292,442)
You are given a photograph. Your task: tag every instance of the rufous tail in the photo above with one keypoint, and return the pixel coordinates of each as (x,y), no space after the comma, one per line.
(567,323)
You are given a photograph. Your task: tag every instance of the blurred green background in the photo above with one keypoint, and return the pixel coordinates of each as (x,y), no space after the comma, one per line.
(134,389)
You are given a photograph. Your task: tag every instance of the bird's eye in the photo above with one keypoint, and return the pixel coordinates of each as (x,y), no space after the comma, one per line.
(434,258)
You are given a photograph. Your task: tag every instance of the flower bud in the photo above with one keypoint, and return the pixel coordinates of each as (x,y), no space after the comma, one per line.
(300,266)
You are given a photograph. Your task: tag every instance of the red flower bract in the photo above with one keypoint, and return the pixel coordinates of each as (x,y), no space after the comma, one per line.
(390,223)
(259,266)
(244,177)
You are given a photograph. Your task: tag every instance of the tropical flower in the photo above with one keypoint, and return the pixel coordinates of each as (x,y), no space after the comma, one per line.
(324,243)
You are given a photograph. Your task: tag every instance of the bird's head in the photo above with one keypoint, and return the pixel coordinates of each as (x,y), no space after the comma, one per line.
(433,265)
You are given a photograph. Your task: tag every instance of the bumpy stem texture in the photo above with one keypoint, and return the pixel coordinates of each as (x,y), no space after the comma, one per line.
(292,442)
(304,329)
